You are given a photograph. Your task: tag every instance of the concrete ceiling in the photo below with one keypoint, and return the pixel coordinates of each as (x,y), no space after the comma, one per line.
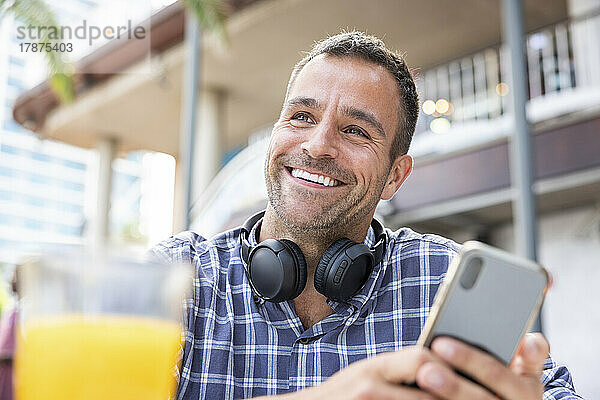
(480,219)
(266,40)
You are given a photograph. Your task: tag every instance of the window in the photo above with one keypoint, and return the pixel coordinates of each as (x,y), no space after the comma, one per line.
(74,165)
(73,186)
(33,224)
(12,92)
(16,61)
(11,125)
(88,3)
(40,156)
(7,172)
(35,201)
(68,207)
(5,195)
(6,219)
(17,83)
(35,178)
(68,230)
(5,148)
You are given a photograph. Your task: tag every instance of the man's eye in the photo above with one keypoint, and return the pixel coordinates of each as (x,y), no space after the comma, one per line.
(355,130)
(302,117)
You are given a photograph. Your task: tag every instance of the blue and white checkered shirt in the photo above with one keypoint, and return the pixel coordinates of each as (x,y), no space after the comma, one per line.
(238,346)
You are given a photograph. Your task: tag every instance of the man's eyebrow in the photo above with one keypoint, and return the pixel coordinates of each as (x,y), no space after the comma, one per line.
(349,111)
(364,116)
(304,101)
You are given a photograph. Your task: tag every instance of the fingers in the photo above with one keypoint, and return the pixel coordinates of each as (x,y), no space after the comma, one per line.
(389,391)
(532,354)
(441,381)
(485,369)
(401,366)
(381,377)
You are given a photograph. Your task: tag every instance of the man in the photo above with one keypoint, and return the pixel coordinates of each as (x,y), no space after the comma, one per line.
(338,147)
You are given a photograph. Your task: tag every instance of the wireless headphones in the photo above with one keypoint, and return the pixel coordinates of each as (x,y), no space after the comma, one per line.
(276,269)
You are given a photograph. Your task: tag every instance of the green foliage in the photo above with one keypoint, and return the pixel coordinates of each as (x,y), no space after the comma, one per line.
(62,84)
(210,15)
(37,13)
(132,233)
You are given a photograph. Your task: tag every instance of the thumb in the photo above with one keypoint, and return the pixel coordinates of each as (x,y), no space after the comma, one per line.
(401,366)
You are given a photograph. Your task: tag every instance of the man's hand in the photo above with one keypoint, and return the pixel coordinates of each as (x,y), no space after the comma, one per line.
(519,381)
(380,377)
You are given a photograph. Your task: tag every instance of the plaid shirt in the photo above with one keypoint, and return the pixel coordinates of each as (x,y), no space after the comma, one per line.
(239,346)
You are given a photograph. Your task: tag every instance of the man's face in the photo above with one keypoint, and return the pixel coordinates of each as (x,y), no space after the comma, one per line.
(338,122)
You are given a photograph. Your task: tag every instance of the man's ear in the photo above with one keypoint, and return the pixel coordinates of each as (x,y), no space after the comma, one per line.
(400,170)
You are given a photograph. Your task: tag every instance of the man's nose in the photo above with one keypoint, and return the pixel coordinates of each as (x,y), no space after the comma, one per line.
(321,141)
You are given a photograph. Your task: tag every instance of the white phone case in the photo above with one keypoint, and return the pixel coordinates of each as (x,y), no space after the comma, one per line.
(497,310)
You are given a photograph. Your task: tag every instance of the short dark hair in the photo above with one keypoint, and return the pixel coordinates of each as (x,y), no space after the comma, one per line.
(372,49)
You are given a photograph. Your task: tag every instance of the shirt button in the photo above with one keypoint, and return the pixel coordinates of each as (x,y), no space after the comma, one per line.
(304,340)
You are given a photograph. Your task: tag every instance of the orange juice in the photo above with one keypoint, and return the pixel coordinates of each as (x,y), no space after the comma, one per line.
(101,357)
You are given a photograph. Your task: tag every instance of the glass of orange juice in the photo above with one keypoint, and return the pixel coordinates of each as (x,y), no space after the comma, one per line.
(99,326)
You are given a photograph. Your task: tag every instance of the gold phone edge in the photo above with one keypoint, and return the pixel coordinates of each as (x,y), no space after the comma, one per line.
(448,281)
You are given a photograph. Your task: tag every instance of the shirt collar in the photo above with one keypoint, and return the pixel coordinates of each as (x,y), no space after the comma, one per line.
(253,242)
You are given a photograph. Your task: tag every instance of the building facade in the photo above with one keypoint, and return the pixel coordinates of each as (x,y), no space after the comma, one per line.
(47,187)
(461,183)
(42,183)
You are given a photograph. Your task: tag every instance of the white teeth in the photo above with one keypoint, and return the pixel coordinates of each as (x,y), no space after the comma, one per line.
(324,180)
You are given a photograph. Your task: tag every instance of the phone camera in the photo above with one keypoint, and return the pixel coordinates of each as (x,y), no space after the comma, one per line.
(471,273)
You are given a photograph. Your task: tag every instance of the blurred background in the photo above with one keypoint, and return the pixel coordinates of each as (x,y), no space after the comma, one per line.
(105,158)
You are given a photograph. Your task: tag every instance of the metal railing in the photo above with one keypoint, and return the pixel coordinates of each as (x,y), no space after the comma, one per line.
(474,87)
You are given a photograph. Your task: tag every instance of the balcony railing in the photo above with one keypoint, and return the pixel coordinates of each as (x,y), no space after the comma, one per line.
(560,58)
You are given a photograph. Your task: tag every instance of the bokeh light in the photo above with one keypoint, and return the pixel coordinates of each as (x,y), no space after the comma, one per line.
(428,107)
(439,125)
(442,106)
(502,89)
(450,109)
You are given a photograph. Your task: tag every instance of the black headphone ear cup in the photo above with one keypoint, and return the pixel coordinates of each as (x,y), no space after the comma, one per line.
(324,265)
(301,262)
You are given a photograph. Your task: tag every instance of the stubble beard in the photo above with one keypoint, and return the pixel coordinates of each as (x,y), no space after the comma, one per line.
(334,217)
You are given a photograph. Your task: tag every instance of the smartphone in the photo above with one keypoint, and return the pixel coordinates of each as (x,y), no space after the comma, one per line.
(489,299)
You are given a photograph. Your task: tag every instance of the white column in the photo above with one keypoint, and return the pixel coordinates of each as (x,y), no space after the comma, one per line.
(585,36)
(156,203)
(208,146)
(207,152)
(179,198)
(106,148)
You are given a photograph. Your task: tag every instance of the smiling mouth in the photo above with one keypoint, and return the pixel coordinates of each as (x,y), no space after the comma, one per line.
(323,180)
